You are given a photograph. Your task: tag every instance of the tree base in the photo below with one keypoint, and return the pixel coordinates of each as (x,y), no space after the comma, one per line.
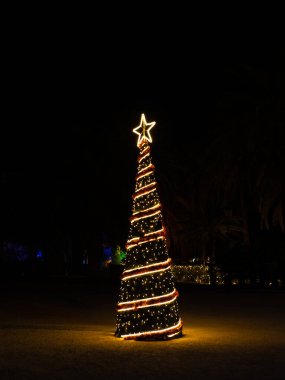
(155,337)
(160,337)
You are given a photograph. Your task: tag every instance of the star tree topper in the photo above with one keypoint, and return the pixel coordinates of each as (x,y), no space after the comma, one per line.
(143,130)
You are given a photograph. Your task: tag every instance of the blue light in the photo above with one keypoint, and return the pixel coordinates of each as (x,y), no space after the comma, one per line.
(39,255)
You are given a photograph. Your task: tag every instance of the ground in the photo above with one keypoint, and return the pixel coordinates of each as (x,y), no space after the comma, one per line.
(64,329)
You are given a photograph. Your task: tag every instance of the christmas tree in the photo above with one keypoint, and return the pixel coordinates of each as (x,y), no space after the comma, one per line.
(147,308)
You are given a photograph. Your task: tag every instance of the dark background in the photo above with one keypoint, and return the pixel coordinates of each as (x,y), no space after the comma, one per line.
(68,155)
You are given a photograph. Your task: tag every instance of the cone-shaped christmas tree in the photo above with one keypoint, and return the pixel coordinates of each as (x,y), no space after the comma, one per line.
(147,307)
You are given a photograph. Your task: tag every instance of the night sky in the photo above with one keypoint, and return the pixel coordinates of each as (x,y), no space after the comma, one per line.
(68,151)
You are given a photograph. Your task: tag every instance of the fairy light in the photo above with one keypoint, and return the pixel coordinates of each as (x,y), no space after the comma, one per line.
(158,205)
(168,261)
(150,166)
(142,157)
(143,269)
(147,306)
(152,302)
(133,239)
(148,299)
(135,196)
(144,175)
(140,195)
(174,334)
(155,332)
(143,242)
(145,216)
(146,273)
(146,186)
(155,232)
(146,149)
(146,239)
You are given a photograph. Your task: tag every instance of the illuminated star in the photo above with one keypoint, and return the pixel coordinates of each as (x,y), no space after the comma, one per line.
(143,130)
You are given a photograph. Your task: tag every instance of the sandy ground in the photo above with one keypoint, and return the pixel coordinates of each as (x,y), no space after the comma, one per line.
(64,330)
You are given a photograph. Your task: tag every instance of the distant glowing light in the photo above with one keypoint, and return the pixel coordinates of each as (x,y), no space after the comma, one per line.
(39,255)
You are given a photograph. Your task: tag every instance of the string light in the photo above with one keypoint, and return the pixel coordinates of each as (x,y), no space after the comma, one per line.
(147,307)
(146,239)
(146,149)
(158,205)
(147,299)
(150,166)
(155,332)
(168,261)
(143,242)
(146,187)
(140,194)
(146,302)
(143,156)
(145,273)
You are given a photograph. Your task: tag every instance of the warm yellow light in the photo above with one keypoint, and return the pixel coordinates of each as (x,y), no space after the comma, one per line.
(148,209)
(144,156)
(144,150)
(147,305)
(146,273)
(144,175)
(149,266)
(154,232)
(145,193)
(155,332)
(145,216)
(146,186)
(147,299)
(171,335)
(143,130)
(138,240)
(133,239)
(143,169)
(143,242)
